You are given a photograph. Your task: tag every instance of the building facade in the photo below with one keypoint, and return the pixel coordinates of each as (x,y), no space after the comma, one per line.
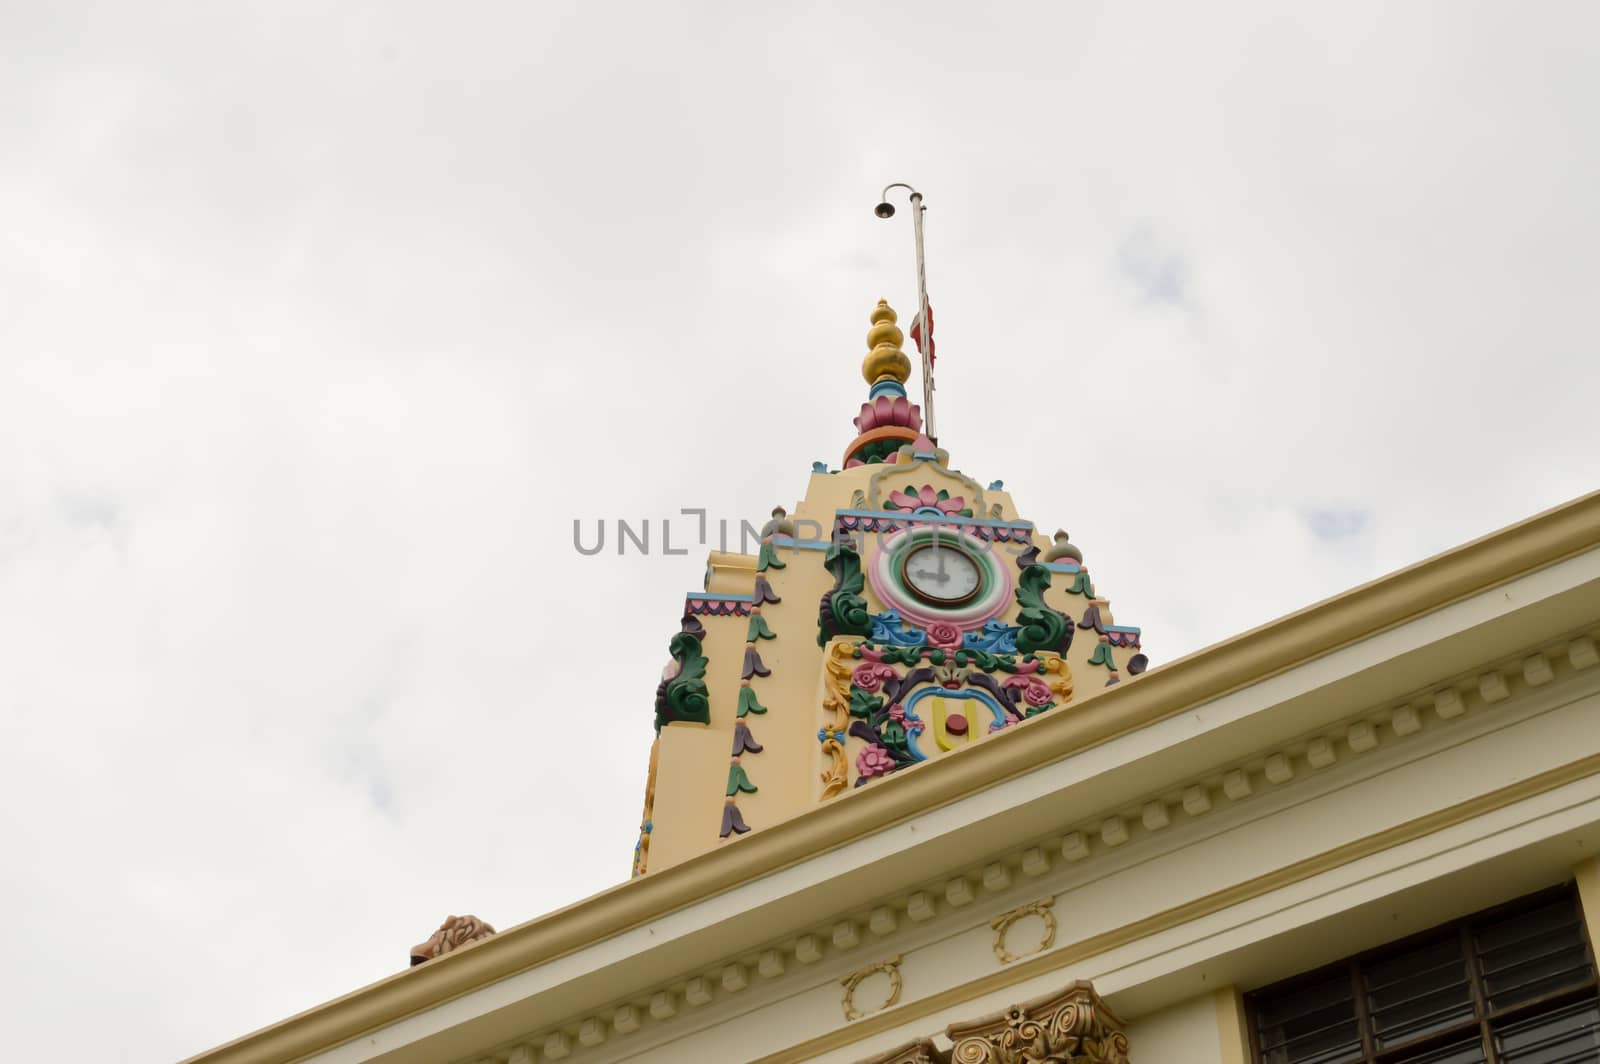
(915,797)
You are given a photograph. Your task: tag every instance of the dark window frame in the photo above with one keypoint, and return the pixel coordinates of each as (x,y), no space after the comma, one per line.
(1484,1020)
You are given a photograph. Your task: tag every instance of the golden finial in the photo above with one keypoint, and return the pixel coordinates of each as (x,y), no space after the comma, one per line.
(885,360)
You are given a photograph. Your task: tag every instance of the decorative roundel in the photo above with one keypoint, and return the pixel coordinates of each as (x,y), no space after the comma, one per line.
(932,575)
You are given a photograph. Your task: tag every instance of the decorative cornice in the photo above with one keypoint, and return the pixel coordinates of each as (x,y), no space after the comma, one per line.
(1110,831)
(1198,908)
(1496,559)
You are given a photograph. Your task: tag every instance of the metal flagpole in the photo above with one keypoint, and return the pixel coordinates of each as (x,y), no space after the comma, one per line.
(885,209)
(926,346)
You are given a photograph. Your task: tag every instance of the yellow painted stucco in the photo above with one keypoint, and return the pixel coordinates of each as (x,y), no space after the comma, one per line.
(692,773)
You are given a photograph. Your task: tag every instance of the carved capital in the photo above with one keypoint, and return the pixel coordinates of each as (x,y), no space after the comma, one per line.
(1072,1027)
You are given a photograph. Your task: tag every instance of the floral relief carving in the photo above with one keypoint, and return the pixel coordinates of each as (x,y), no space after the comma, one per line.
(1072,1027)
(1002,925)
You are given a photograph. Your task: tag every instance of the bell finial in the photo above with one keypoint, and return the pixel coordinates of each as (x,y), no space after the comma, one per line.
(885,360)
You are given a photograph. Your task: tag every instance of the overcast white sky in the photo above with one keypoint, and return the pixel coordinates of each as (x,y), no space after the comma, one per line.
(320,324)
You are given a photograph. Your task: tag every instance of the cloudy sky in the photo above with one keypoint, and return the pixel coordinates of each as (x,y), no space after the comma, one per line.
(320,324)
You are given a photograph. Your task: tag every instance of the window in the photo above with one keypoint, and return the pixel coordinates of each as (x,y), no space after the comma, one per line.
(1514,985)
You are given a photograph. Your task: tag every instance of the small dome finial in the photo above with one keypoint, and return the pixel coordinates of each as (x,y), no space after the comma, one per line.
(1063,549)
(885,360)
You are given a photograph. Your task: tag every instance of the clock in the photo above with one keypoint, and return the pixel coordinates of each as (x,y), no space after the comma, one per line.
(941,575)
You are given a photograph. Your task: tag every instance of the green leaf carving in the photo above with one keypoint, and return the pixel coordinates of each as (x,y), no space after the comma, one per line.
(684,697)
(1043,628)
(768,558)
(758,629)
(748,703)
(864,705)
(843,610)
(990,662)
(739,780)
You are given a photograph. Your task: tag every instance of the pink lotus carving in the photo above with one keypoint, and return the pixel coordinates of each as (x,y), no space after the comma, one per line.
(927,498)
(944,635)
(874,760)
(888,410)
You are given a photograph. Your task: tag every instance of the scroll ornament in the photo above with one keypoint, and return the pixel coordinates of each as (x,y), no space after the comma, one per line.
(1074,1027)
(838,666)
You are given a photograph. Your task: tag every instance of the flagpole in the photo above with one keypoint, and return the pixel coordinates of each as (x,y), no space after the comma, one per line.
(926,346)
(885,209)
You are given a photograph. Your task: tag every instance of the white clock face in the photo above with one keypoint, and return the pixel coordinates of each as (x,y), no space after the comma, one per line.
(944,576)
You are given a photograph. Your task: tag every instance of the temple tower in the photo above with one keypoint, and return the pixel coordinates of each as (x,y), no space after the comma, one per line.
(899,613)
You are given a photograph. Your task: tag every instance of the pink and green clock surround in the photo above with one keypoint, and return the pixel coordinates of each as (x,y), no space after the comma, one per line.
(925,572)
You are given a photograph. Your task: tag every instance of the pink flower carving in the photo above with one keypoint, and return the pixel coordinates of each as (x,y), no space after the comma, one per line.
(1035,691)
(897,712)
(944,635)
(869,677)
(874,760)
(927,498)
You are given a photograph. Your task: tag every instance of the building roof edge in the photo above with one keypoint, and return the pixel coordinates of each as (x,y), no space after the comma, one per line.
(1535,543)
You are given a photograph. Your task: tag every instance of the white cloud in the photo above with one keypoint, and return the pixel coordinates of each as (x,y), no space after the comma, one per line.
(321,325)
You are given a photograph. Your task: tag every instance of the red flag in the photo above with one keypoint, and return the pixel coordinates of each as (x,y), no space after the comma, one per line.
(916,335)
